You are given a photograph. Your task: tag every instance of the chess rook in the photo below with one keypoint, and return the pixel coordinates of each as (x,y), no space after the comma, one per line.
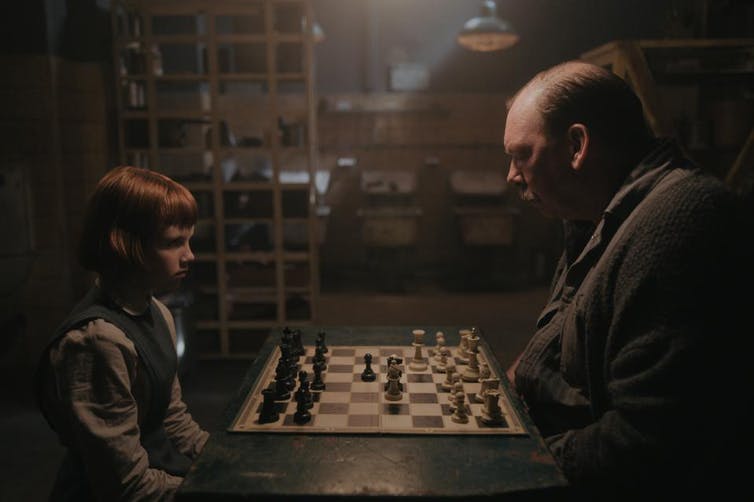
(491,412)
(418,363)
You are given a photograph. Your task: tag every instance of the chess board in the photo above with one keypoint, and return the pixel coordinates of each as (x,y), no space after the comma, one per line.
(350,405)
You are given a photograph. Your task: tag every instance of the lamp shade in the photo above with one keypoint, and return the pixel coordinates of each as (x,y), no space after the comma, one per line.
(487,32)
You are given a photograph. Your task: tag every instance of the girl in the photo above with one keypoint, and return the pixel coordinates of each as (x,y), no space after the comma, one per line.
(107,381)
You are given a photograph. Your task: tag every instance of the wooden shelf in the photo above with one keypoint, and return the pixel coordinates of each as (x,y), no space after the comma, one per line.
(708,67)
(138,26)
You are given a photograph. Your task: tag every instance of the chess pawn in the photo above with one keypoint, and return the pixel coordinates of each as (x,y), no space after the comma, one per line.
(462,352)
(459,414)
(471,373)
(457,387)
(321,341)
(450,371)
(368,375)
(442,364)
(318,384)
(440,339)
(484,375)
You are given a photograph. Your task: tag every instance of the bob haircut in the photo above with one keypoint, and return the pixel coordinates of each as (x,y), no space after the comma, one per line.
(130,207)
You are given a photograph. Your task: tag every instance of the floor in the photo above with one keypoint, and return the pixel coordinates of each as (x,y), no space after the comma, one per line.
(505,319)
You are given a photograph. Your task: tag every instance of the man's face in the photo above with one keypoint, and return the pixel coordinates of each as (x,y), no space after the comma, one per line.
(539,164)
(169,258)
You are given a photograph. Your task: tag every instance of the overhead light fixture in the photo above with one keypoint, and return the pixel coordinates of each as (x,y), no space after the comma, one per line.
(487,32)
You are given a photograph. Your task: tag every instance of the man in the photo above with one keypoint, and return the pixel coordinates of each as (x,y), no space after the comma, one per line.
(635,373)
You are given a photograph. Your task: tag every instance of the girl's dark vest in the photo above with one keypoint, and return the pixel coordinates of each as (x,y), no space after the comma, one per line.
(150,335)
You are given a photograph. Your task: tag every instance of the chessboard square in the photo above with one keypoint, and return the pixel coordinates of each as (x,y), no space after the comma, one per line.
(422,397)
(337,377)
(500,425)
(395,409)
(396,421)
(333,408)
(420,409)
(338,386)
(389,351)
(335,397)
(419,377)
(446,409)
(340,361)
(360,350)
(434,422)
(364,409)
(340,368)
(440,390)
(331,420)
(421,388)
(359,386)
(341,352)
(439,377)
(450,424)
(363,420)
(365,397)
(289,421)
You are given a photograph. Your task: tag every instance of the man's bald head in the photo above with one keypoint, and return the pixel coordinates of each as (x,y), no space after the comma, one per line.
(579,92)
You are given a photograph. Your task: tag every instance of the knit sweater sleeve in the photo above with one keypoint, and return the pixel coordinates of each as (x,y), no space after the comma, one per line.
(663,305)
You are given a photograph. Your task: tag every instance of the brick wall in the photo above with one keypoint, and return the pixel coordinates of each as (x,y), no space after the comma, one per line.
(54,126)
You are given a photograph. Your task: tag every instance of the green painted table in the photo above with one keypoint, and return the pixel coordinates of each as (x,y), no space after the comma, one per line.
(248,466)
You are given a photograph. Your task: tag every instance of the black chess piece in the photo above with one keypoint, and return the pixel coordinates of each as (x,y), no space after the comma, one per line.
(269,412)
(302,414)
(368,375)
(319,358)
(283,372)
(297,344)
(321,341)
(282,389)
(303,390)
(318,383)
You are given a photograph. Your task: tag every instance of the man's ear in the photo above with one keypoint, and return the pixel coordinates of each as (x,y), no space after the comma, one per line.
(578,139)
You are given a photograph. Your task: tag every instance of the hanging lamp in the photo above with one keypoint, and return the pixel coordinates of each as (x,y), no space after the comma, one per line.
(487,32)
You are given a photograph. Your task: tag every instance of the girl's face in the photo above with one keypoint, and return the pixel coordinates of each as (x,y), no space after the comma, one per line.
(169,258)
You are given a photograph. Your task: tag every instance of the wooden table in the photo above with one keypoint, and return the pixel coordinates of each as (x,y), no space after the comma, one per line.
(247,466)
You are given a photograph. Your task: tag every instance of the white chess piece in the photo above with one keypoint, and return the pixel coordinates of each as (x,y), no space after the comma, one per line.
(418,363)
(440,338)
(459,414)
(442,364)
(462,351)
(450,370)
(471,373)
(492,413)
